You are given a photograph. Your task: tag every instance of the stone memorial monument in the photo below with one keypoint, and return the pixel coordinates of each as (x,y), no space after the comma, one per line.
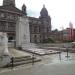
(23,34)
(4,53)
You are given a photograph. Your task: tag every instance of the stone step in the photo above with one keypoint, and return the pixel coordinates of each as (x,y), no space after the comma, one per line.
(23,62)
(22,59)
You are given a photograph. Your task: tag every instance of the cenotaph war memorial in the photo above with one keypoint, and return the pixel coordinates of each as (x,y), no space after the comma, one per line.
(23,34)
(4,53)
(23,38)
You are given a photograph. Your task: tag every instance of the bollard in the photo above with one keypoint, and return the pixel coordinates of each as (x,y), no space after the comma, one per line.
(60,56)
(12,62)
(33,59)
(67,55)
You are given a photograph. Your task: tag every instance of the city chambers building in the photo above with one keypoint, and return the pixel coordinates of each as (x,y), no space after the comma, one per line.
(39,27)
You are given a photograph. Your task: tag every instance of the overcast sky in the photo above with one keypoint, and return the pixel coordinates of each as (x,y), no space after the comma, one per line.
(61,11)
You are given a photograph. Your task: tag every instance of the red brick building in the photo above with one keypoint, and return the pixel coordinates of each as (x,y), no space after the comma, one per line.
(67,34)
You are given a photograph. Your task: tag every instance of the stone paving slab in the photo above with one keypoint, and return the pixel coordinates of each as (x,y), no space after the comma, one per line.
(9,69)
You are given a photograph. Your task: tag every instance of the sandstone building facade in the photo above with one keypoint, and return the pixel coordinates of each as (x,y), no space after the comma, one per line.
(39,27)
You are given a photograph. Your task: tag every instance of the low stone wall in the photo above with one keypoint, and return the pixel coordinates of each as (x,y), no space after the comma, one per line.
(61,45)
(60,49)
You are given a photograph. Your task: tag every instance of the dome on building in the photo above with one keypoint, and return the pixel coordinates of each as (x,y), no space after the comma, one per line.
(44,12)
